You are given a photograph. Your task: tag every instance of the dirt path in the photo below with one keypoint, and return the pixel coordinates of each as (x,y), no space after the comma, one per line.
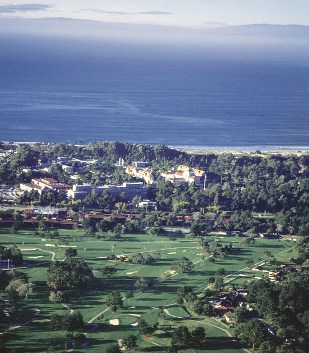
(50,252)
(207,324)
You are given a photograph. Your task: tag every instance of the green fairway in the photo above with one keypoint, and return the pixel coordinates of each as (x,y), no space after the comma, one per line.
(38,253)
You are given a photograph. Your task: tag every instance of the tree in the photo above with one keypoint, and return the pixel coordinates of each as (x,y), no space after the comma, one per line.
(11,253)
(25,289)
(183,265)
(114,301)
(249,263)
(221,271)
(219,283)
(72,273)
(113,349)
(240,314)
(70,252)
(16,226)
(251,333)
(108,271)
(172,349)
(181,337)
(183,293)
(58,296)
(68,322)
(18,288)
(145,328)
(140,284)
(198,335)
(73,321)
(130,342)
(267,347)
(56,322)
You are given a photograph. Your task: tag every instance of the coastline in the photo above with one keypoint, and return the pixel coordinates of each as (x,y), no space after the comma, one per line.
(195,149)
(243,149)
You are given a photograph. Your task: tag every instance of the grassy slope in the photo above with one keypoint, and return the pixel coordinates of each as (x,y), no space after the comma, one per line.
(92,302)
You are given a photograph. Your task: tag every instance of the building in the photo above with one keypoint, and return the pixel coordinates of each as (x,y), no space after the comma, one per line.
(140,164)
(51,184)
(129,190)
(148,205)
(120,164)
(141,170)
(32,187)
(79,192)
(43,185)
(185,174)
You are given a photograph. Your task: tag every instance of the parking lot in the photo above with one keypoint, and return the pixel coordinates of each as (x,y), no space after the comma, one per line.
(8,193)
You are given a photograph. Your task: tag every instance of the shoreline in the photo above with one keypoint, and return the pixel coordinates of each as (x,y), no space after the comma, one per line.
(243,149)
(192,148)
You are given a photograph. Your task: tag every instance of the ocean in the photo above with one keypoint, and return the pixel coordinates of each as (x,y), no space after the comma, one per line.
(189,103)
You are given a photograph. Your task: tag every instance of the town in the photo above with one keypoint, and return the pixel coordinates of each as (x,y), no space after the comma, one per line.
(150,248)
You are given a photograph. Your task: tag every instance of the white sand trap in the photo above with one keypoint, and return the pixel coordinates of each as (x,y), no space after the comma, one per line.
(42,239)
(171,253)
(136,315)
(200,254)
(120,344)
(30,249)
(170,272)
(134,324)
(184,250)
(67,246)
(131,273)
(131,307)
(50,245)
(35,257)
(154,307)
(114,322)
(102,257)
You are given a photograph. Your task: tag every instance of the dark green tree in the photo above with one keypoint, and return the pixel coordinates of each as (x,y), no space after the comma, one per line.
(114,301)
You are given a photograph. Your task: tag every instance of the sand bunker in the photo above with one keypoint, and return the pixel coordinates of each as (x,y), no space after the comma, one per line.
(136,315)
(52,245)
(170,272)
(114,322)
(102,257)
(30,249)
(184,250)
(134,324)
(200,254)
(35,257)
(67,246)
(171,253)
(131,307)
(131,273)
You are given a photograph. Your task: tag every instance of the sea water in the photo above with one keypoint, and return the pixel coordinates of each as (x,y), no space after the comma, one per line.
(178,103)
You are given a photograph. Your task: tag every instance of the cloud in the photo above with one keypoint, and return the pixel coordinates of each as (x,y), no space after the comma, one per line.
(158,13)
(23,8)
(216,23)
(151,13)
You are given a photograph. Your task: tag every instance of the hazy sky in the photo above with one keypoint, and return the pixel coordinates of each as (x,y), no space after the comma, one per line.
(186,13)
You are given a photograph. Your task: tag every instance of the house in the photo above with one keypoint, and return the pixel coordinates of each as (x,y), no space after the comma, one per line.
(185,174)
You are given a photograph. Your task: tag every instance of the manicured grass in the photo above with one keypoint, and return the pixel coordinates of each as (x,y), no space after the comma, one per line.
(37,337)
